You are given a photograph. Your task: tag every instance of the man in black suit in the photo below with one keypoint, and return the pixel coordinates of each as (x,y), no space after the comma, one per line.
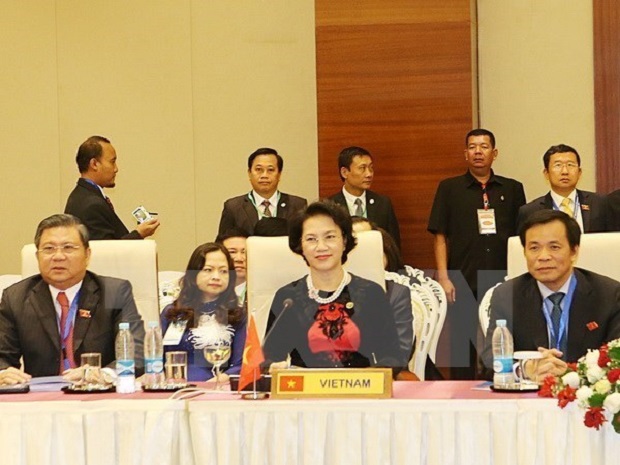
(356,169)
(613,210)
(555,308)
(563,170)
(50,319)
(96,160)
(264,200)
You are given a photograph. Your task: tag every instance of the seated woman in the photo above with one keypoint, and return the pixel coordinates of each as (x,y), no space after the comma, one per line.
(329,318)
(208,288)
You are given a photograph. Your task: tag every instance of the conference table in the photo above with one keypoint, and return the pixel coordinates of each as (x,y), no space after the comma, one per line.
(434,422)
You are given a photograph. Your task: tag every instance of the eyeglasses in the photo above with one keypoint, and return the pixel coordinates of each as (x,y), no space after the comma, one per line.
(559,166)
(330,239)
(66,249)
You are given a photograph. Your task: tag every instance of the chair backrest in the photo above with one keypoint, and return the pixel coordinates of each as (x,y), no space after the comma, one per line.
(599,252)
(133,260)
(271,265)
(484,310)
(169,284)
(7,279)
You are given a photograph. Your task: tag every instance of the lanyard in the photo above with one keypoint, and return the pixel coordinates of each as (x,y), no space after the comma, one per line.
(260,213)
(485,197)
(565,305)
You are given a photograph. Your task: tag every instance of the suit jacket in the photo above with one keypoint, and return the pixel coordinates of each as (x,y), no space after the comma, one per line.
(518,301)
(87,203)
(378,209)
(239,212)
(287,328)
(593,210)
(613,204)
(29,323)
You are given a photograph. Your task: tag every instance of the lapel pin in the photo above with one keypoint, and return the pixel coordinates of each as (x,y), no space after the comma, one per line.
(502,198)
(283,205)
(585,207)
(592,325)
(372,201)
(349,305)
(84,313)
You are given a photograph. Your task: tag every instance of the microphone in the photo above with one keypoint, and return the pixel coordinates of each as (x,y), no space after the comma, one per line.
(274,319)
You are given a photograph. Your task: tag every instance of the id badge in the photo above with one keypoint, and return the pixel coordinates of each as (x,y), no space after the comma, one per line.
(174,333)
(486,221)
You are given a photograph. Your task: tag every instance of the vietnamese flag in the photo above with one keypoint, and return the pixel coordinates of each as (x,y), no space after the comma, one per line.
(291,383)
(252,357)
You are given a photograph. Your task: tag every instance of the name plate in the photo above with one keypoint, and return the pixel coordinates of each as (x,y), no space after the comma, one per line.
(332,382)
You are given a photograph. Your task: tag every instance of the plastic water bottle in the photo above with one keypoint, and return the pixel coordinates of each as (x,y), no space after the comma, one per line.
(153,356)
(125,360)
(502,354)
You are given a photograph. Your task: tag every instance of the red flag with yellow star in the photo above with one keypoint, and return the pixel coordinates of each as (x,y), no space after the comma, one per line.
(252,357)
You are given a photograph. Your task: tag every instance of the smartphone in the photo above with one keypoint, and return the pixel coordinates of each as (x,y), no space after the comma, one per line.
(141,214)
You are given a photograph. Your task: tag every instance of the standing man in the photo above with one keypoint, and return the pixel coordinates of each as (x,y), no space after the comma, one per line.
(264,200)
(96,160)
(555,308)
(234,240)
(356,169)
(50,319)
(563,171)
(472,217)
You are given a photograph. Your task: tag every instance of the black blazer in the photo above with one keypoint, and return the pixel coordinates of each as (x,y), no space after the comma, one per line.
(593,210)
(378,209)
(239,212)
(613,205)
(87,203)
(518,301)
(29,323)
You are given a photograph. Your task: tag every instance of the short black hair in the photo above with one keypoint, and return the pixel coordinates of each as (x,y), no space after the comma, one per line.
(345,158)
(480,132)
(560,148)
(231,232)
(573,232)
(322,208)
(265,151)
(61,220)
(90,148)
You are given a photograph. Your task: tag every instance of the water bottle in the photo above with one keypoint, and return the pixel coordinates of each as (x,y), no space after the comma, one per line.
(502,355)
(125,361)
(153,356)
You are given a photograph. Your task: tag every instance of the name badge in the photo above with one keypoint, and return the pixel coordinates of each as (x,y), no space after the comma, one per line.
(174,333)
(486,221)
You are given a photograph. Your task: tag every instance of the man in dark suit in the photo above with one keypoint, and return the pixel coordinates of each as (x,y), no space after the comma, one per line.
(613,205)
(356,169)
(264,200)
(96,160)
(50,319)
(563,171)
(555,308)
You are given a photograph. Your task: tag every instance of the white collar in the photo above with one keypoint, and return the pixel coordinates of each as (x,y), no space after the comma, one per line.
(557,198)
(273,200)
(546,292)
(70,292)
(350,198)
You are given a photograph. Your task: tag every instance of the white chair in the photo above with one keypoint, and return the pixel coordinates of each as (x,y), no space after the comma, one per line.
(169,284)
(133,260)
(484,310)
(271,265)
(8,279)
(599,252)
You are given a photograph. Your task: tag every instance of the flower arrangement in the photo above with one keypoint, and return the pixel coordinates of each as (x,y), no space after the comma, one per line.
(594,383)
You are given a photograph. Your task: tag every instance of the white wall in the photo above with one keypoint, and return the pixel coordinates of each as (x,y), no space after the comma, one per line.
(536,84)
(185,90)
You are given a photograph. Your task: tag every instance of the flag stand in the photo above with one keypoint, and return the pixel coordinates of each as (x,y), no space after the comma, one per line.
(254,395)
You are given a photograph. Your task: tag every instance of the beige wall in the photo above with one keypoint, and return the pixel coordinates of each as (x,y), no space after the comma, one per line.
(185,90)
(536,85)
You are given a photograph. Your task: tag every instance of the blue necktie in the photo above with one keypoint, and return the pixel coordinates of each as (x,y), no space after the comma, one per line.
(556,315)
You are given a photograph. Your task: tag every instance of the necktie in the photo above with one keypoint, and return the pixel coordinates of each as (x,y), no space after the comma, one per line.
(66,341)
(266,211)
(359,211)
(556,315)
(109,202)
(566,206)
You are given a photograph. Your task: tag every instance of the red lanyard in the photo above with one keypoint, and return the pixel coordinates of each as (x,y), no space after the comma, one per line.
(485,197)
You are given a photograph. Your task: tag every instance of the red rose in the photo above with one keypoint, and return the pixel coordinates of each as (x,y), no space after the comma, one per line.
(572,366)
(546,390)
(565,396)
(613,375)
(603,357)
(594,417)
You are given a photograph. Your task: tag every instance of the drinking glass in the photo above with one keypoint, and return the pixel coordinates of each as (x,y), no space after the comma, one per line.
(217,355)
(176,368)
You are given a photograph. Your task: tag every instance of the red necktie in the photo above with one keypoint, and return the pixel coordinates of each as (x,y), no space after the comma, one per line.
(66,342)
(109,202)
